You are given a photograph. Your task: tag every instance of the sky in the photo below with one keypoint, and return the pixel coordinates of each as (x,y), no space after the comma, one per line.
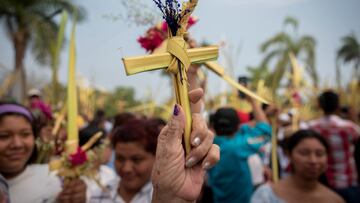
(103,41)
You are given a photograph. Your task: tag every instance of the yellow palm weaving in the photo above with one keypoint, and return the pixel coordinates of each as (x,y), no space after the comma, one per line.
(176,60)
(218,70)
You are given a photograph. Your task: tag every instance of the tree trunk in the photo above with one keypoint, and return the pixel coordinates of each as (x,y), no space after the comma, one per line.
(357,69)
(20,42)
(338,75)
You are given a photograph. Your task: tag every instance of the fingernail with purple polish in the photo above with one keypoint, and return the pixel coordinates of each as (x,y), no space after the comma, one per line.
(176,110)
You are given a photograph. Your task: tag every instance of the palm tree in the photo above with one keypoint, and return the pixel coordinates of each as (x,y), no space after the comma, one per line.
(31,22)
(349,52)
(277,50)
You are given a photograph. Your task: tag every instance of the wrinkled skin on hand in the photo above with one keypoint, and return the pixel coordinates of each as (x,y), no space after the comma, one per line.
(176,177)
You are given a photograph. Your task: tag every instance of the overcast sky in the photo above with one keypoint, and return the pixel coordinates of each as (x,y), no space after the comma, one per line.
(102,42)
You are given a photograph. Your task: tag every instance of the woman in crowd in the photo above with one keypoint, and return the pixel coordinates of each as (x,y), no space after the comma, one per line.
(29,182)
(135,147)
(134,143)
(307,152)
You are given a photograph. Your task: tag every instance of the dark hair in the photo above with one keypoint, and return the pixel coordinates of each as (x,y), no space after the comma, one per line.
(329,102)
(99,117)
(122,118)
(211,119)
(137,130)
(31,121)
(226,121)
(264,106)
(345,109)
(251,115)
(86,134)
(155,124)
(301,135)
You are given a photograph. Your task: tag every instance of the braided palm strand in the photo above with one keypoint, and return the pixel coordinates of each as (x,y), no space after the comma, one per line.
(187,10)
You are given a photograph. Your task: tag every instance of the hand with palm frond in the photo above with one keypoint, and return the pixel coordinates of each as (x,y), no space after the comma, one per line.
(176,177)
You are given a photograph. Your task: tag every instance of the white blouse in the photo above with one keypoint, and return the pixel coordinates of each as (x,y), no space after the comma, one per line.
(34,184)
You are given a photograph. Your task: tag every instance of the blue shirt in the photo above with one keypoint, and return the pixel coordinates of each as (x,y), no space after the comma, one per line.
(230,179)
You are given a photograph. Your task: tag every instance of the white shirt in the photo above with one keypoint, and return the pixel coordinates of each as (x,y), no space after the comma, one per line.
(34,185)
(143,196)
(108,180)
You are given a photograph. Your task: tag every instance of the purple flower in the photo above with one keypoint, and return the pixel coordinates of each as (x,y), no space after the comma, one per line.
(171,13)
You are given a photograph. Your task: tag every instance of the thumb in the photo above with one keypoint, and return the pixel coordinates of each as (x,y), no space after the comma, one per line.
(174,129)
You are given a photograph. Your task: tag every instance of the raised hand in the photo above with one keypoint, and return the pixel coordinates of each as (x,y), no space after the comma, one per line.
(176,177)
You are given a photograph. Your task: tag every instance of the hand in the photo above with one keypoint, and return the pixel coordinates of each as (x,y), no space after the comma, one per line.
(73,191)
(193,69)
(175,177)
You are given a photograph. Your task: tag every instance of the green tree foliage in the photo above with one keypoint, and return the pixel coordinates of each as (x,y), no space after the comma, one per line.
(31,22)
(349,52)
(277,49)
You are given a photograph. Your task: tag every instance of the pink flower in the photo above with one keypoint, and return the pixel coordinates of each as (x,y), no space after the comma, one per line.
(78,158)
(164,27)
(157,34)
(152,39)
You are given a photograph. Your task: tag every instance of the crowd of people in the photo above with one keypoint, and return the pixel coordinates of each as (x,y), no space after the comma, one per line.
(266,153)
(126,157)
(141,159)
(269,154)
